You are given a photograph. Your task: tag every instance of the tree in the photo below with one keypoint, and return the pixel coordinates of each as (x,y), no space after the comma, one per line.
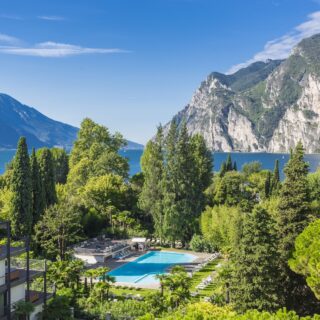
(235,168)
(65,273)
(293,216)
(203,172)
(275,183)
(223,169)
(229,166)
(151,196)
(21,186)
(254,283)
(268,185)
(106,194)
(47,176)
(23,309)
(178,284)
(95,153)
(61,165)
(221,227)
(58,227)
(172,221)
(251,167)
(58,308)
(306,256)
(38,199)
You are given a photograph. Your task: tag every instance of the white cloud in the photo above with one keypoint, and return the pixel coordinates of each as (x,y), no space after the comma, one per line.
(51,18)
(281,47)
(55,50)
(10,16)
(8,39)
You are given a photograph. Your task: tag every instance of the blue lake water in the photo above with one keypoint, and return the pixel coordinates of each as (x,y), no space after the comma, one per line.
(267,159)
(144,269)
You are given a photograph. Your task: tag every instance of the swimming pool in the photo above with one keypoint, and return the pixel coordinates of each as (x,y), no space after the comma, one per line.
(144,269)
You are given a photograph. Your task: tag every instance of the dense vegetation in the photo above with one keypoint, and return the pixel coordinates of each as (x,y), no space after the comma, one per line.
(267,231)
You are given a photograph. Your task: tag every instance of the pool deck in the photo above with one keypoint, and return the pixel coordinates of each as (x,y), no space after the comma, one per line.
(114,264)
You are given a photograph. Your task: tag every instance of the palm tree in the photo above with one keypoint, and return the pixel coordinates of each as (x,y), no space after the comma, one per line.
(23,309)
(91,273)
(163,278)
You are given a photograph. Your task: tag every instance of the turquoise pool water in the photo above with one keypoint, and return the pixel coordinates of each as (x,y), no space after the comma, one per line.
(144,269)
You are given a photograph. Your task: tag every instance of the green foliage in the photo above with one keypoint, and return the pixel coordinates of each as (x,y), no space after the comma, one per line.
(221,227)
(176,170)
(254,281)
(151,196)
(293,216)
(38,196)
(251,167)
(58,227)
(198,244)
(95,153)
(46,166)
(21,186)
(61,165)
(65,274)
(22,309)
(58,308)
(306,256)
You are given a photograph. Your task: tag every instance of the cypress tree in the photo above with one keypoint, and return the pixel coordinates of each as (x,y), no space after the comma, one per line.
(275,177)
(293,216)
(254,279)
(235,168)
(38,201)
(267,185)
(21,218)
(47,176)
(223,169)
(229,166)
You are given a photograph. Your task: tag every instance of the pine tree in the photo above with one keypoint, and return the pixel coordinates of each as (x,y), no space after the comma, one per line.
(47,176)
(275,183)
(229,166)
(254,280)
(293,216)
(151,197)
(21,218)
(38,201)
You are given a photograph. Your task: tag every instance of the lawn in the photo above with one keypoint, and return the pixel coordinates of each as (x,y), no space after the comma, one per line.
(202,274)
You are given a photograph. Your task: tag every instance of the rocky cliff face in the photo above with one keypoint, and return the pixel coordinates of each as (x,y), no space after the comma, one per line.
(268,106)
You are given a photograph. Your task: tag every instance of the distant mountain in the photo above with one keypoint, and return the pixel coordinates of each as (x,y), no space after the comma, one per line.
(17,119)
(267,106)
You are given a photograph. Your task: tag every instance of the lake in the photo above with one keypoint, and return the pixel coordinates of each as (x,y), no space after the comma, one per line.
(267,159)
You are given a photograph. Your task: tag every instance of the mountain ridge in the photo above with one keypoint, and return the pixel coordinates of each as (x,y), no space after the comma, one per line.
(17,119)
(265,107)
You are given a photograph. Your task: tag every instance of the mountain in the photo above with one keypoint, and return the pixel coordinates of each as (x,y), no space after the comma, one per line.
(267,106)
(18,120)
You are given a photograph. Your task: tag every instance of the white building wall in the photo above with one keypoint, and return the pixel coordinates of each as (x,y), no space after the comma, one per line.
(18,293)
(2,272)
(37,310)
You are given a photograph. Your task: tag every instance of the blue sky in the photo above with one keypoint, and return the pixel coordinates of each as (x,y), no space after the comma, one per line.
(131,64)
